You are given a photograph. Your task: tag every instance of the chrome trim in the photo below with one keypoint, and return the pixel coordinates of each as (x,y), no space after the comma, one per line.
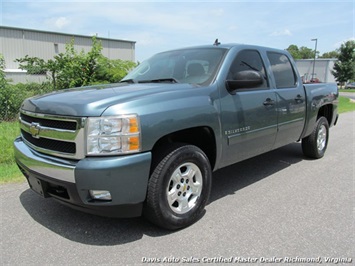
(38,131)
(49,152)
(48,132)
(57,168)
(51,117)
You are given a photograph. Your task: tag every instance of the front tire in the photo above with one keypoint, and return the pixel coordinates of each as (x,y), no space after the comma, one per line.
(179,188)
(315,145)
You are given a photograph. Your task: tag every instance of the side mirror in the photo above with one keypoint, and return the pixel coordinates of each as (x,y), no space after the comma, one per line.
(244,80)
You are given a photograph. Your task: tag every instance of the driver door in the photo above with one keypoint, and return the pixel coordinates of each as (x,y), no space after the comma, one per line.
(249,118)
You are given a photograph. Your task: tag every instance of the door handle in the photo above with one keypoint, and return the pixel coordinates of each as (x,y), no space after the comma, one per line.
(299,99)
(268,102)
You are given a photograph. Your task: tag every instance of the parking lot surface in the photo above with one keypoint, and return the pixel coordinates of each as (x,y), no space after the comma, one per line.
(279,208)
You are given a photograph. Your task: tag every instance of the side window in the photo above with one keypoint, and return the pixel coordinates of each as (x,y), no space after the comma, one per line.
(282,69)
(248,60)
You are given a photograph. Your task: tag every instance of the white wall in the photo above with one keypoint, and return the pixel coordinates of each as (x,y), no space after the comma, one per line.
(322,69)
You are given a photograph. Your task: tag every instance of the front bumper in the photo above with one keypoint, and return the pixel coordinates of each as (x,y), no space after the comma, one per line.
(69,181)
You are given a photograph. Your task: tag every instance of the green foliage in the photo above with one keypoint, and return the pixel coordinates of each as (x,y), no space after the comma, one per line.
(66,70)
(77,69)
(9,171)
(344,68)
(332,54)
(308,53)
(113,71)
(346,90)
(8,132)
(345,105)
(12,96)
(33,65)
(294,51)
(300,53)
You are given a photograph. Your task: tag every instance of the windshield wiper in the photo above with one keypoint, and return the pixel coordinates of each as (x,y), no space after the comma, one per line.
(128,81)
(166,80)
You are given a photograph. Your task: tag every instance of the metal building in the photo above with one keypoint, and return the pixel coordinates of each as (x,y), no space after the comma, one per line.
(322,69)
(16,43)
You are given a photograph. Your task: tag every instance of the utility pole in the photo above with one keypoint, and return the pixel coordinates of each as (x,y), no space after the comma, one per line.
(314,61)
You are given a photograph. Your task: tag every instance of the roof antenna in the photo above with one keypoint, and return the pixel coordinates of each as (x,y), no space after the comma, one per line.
(216,42)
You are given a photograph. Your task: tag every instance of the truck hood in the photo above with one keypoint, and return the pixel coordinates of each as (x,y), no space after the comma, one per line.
(93,100)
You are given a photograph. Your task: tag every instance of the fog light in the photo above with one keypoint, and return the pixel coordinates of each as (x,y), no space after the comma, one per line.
(100,194)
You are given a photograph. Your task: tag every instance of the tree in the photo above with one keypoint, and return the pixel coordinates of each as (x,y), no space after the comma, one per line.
(332,54)
(344,68)
(76,69)
(300,53)
(33,65)
(4,88)
(113,70)
(306,53)
(294,51)
(10,96)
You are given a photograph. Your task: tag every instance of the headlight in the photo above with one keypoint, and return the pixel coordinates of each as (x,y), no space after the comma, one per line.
(113,135)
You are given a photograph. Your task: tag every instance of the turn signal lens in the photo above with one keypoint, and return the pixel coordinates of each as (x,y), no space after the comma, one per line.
(133,125)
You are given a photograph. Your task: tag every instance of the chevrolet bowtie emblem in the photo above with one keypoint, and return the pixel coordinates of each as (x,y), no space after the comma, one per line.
(35,128)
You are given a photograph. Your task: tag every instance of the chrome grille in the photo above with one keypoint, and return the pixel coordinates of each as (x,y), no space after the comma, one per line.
(55,135)
(50,144)
(69,125)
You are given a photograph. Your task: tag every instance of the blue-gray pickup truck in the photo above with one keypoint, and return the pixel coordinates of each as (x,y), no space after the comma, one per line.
(149,144)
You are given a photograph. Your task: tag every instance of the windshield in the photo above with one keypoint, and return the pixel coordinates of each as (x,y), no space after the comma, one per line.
(195,66)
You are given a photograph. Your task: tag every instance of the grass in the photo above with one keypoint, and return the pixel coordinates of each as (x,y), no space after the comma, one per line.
(8,168)
(345,105)
(348,90)
(10,130)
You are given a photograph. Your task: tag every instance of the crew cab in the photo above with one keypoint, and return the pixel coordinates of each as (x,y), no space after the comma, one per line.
(149,144)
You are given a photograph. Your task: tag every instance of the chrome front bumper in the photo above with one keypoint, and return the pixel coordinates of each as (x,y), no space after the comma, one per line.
(61,169)
(70,181)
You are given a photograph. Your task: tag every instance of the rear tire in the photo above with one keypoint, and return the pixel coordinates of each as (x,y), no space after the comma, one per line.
(315,145)
(179,188)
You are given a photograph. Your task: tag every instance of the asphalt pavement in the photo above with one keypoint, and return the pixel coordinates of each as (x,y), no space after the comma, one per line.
(279,208)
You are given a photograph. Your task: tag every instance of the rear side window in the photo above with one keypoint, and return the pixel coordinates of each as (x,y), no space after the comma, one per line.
(282,69)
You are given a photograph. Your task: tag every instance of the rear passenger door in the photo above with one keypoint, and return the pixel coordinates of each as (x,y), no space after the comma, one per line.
(290,94)
(248,115)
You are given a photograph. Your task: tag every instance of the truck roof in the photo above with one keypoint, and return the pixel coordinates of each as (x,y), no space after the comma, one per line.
(229,46)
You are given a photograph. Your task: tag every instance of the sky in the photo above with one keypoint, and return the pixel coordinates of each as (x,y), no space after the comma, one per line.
(158,26)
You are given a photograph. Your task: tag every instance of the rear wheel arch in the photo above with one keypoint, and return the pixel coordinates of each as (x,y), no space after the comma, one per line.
(327,112)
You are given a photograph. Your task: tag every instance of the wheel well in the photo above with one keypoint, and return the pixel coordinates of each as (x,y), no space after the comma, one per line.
(202,137)
(327,112)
